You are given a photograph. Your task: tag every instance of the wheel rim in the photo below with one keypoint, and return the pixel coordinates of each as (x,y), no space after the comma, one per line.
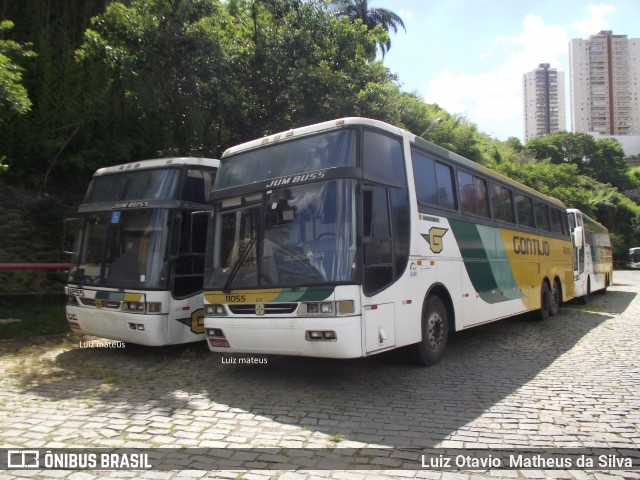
(435,330)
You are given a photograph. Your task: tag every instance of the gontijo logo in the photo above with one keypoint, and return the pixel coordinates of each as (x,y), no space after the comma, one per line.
(435,238)
(530,246)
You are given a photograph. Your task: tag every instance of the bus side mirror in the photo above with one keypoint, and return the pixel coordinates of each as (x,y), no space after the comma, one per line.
(69,229)
(577,237)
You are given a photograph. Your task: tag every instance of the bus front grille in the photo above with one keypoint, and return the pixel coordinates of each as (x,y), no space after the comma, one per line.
(257,309)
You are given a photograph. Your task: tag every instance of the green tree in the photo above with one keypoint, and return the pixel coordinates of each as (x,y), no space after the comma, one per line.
(50,137)
(371,17)
(13,95)
(601,159)
(609,165)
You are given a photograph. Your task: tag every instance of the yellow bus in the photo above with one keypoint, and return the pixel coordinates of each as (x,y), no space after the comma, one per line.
(353,237)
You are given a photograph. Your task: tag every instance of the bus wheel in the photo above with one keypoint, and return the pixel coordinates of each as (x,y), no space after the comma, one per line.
(545,302)
(555,298)
(435,332)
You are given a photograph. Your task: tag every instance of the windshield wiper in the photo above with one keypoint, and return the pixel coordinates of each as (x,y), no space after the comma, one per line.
(236,268)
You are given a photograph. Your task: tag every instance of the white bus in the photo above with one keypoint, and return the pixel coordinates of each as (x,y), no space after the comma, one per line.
(353,237)
(633,260)
(592,255)
(138,259)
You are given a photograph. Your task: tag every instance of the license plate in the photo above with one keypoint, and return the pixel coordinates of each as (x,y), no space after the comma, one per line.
(219,342)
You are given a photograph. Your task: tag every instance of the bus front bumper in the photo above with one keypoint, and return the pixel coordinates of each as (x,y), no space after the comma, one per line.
(140,329)
(325,337)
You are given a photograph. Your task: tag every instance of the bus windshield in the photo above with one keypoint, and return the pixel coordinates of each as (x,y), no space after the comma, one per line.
(122,249)
(307,154)
(139,185)
(308,237)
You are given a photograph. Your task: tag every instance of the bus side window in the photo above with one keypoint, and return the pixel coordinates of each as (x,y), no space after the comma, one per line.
(425,178)
(473,194)
(382,157)
(502,199)
(542,217)
(434,181)
(197,185)
(557,223)
(446,193)
(524,208)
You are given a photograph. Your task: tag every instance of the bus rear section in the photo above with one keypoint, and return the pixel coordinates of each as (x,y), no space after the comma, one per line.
(592,255)
(138,259)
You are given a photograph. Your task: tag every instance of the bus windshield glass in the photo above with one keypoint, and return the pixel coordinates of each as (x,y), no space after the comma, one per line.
(140,185)
(126,249)
(328,150)
(308,237)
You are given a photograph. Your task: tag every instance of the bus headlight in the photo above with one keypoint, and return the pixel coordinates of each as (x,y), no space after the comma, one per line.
(342,307)
(214,309)
(154,307)
(142,307)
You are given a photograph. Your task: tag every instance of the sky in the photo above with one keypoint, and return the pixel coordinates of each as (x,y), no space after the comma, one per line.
(468,56)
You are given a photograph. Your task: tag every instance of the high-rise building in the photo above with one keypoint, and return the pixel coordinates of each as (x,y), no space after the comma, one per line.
(605,84)
(544,101)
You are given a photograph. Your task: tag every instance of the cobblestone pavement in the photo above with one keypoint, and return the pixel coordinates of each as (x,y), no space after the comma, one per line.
(570,382)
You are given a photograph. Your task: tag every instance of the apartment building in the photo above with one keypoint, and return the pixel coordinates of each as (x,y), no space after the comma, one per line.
(544,101)
(605,84)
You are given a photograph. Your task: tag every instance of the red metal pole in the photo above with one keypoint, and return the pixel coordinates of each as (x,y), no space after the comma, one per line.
(35,266)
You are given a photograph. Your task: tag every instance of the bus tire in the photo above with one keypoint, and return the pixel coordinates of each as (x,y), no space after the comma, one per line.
(435,333)
(556,298)
(545,302)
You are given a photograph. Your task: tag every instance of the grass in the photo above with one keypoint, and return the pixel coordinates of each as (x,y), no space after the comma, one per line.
(36,319)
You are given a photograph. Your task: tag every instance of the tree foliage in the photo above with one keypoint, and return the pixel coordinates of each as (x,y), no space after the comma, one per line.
(118,80)
(13,95)
(602,159)
(372,18)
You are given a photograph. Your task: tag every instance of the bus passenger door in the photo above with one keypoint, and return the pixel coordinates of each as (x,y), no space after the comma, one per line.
(378,256)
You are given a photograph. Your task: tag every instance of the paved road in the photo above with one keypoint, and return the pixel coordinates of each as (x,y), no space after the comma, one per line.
(572,382)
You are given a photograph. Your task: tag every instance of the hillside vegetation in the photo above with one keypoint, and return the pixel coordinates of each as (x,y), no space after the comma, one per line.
(90,83)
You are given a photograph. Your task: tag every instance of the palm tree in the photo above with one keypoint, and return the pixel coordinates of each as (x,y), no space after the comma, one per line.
(371,17)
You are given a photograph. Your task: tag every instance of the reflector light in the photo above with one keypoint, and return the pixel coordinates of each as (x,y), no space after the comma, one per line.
(321,335)
(329,335)
(215,332)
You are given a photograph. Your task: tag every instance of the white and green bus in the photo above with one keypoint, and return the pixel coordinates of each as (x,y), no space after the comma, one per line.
(138,261)
(353,237)
(592,255)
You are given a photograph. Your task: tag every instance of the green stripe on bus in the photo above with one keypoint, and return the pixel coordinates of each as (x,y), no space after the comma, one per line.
(485,261)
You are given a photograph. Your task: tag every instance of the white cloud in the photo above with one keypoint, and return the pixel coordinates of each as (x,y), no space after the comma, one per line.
(405,14)
(493,100)
(596,21)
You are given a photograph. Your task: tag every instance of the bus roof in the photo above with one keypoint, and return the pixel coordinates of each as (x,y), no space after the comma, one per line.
(359,121)
(157,163)
(587,218)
